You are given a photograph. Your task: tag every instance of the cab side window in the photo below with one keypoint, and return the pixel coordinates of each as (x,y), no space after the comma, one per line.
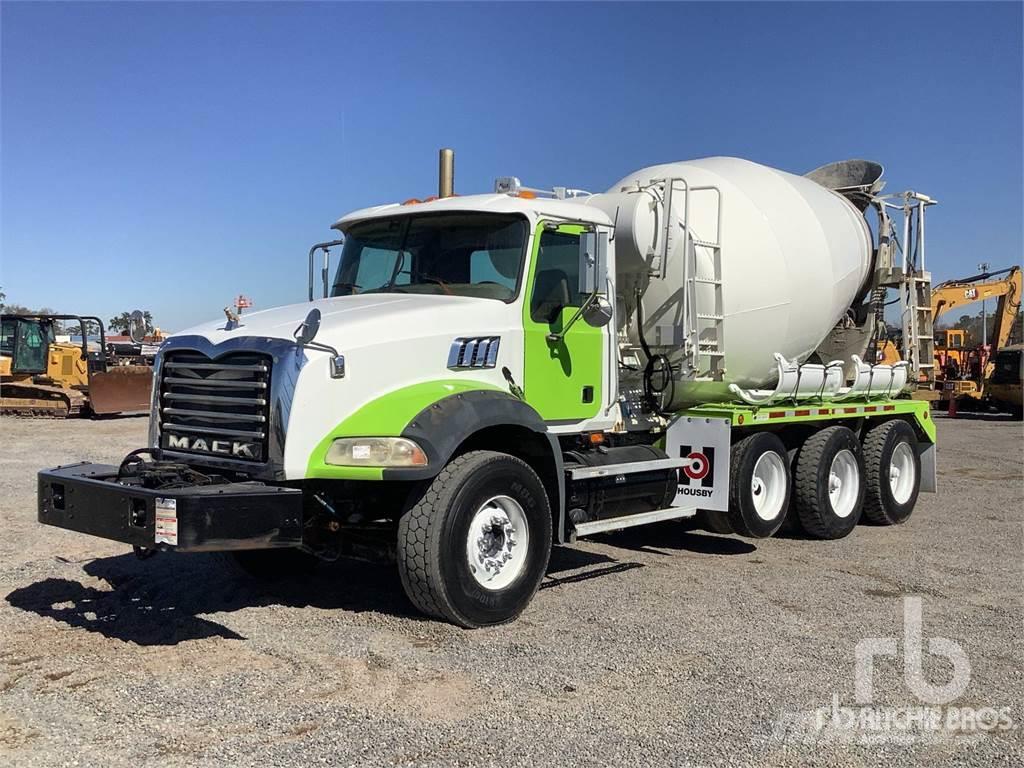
(556,276)
(30,348)
(7,337)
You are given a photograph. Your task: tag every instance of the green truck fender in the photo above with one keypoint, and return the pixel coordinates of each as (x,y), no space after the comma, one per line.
(442,417)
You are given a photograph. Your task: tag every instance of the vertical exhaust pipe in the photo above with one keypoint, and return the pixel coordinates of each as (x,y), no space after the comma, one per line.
(446,173)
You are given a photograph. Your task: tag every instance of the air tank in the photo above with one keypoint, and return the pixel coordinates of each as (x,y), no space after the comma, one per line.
(793,256)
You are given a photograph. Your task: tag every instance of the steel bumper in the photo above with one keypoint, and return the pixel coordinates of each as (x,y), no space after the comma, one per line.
(250,515)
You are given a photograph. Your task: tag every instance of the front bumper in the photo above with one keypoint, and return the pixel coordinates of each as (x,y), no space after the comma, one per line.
(87,498)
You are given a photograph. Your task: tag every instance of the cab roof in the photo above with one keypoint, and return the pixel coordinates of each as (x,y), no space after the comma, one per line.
(534,208)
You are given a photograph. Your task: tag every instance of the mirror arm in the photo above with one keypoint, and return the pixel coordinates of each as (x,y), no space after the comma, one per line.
(321,347)
(325,270)
(556,337)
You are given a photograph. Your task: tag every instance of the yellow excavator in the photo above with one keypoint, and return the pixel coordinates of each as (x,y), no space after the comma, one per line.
(964,372)
(43,376)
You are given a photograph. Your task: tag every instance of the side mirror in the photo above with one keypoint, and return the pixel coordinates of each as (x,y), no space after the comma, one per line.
(598,313)
(137,327)
(309,328)
(593,262)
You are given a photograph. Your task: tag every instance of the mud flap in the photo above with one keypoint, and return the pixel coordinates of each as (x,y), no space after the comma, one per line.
(705,483)
(121,389)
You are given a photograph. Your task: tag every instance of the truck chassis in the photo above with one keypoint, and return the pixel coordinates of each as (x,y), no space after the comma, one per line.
(705,464)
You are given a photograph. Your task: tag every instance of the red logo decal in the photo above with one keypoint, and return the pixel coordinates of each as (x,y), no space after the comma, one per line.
(699,466)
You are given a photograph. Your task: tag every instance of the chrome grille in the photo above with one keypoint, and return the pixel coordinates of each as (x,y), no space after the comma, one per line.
(215,407)
(476,352)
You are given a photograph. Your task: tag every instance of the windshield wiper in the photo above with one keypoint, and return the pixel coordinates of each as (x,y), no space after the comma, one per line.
(345,284)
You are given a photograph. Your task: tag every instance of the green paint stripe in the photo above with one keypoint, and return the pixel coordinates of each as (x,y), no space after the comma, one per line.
(749,415)
(385,416)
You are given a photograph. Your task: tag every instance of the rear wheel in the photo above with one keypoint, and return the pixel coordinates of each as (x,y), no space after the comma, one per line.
(474,548)
(892,469)
(829,483)
(759,485)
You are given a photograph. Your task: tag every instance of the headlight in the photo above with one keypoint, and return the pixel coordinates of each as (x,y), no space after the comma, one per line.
(375,452)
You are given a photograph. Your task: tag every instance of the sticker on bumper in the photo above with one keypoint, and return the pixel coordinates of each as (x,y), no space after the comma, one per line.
(167,521)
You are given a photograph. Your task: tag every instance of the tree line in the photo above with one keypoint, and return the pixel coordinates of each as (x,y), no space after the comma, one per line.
(119,322)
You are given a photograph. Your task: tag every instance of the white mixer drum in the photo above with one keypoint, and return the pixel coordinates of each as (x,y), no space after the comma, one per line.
(794,256)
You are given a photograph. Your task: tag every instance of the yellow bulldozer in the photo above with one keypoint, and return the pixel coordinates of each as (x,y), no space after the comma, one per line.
(44,373)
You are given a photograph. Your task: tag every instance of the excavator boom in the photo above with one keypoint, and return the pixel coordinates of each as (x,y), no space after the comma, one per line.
(968,290)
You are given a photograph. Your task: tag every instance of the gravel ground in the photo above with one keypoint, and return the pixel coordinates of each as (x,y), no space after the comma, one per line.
(660,645)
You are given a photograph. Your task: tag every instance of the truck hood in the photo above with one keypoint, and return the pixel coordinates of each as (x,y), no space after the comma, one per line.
(349,321)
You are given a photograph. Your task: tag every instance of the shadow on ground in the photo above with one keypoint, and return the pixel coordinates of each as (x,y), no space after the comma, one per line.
(677,537)
(164,600)
(975,416)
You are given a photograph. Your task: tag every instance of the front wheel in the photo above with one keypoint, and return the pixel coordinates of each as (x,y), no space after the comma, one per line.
(474,548)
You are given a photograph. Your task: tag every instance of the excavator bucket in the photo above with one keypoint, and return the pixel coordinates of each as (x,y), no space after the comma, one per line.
(121,389)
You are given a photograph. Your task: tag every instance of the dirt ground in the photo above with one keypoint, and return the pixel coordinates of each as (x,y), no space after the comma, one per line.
(658,645)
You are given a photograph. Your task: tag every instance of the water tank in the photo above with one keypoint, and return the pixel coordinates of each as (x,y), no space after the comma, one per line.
(794,256)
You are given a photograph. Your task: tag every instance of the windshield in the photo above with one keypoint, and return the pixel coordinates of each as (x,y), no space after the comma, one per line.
(457,254)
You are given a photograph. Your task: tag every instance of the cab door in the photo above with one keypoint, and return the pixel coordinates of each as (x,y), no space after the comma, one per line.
(31,347)
(562,377)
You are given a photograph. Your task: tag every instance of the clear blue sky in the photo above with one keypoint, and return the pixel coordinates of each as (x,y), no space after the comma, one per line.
(171,156)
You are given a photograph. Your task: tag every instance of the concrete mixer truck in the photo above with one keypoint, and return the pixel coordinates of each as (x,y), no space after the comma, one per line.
(483,377)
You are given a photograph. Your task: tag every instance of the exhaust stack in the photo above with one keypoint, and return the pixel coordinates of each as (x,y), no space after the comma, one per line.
(446,173)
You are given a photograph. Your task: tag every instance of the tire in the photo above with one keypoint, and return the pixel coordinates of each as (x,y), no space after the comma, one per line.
(892,472)
(268,565)
(826,511)
(759,485)
(483,504)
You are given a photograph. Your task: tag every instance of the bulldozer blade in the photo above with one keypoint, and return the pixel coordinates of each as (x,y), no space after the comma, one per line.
(121,389)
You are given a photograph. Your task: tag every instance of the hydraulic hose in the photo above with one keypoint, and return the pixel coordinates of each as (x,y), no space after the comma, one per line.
(656,365)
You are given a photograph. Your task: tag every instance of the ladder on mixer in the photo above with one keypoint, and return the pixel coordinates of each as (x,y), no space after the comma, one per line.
(915,289)
(918,326)
(702,325)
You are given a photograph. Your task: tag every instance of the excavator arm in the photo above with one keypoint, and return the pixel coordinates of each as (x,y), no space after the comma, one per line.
(1006,310)
(957,293)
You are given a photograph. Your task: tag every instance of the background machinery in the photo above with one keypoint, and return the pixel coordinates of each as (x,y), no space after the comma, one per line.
(1005,388)
(44,373)
(963,370)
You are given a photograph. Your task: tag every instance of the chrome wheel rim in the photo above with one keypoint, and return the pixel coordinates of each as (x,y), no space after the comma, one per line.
(497,542)
(768,486)
(843,483)
(902,473)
